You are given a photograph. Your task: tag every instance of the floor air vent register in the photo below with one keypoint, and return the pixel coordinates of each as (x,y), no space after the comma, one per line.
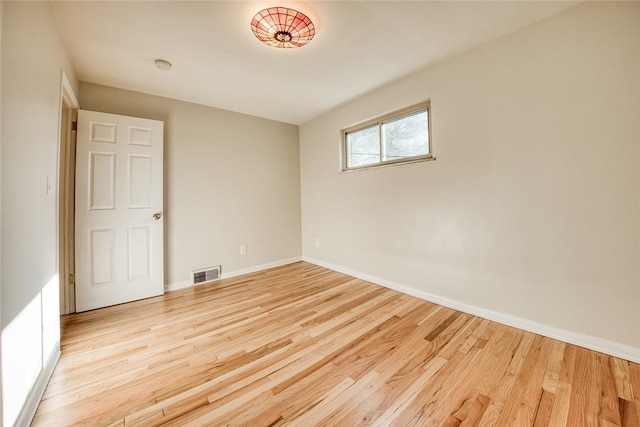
(205,275)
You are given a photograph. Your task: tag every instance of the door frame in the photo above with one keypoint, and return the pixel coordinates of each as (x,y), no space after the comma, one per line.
(66,196)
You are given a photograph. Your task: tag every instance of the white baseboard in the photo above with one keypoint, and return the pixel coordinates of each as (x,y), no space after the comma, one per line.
(253,269)
(175,286)
(28,412)
(593,343)
(261,267)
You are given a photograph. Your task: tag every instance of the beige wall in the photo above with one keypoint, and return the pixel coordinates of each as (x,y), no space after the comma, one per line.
(230,180)
(531,213)
(33,57)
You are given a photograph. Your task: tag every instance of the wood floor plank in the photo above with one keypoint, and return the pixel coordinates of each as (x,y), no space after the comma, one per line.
(585,390)
(634,371)
(560,411)
(299,396)
(610,410)
(501,393)
(543,411)
(622,378)
(300,345)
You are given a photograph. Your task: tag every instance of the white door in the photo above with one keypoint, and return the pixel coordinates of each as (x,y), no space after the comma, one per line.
(119,232)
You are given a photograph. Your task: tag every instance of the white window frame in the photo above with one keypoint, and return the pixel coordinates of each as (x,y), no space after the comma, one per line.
(379,121)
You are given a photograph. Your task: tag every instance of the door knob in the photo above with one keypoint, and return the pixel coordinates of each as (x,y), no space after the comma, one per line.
(157,216)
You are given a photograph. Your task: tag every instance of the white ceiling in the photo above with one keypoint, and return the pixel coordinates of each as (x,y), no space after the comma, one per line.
(217,61)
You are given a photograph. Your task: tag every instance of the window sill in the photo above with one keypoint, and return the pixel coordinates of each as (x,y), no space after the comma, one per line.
(388,164)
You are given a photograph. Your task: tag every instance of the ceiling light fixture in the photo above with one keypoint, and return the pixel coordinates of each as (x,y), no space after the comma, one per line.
(282,27)
(162,64)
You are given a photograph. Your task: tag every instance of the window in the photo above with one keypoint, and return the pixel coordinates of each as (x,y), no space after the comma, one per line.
(398,137)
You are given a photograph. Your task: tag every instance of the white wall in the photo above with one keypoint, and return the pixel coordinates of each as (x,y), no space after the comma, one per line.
(33,57)
(230,180)
(531,213)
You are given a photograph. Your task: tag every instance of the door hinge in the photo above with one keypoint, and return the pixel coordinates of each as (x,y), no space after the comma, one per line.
(72,278)
(74,126)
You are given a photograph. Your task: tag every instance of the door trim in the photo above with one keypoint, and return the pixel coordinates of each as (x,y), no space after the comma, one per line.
(66,195)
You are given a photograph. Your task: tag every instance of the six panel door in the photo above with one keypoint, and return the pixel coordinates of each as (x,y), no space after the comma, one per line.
(119,202)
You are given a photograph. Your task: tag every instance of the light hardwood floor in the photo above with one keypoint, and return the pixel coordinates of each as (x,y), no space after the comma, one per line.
(300,345)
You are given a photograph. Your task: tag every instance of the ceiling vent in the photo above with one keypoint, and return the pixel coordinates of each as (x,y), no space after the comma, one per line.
(205,275)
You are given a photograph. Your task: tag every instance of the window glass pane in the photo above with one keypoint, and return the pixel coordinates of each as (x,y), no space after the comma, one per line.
(363,147)
(406,137)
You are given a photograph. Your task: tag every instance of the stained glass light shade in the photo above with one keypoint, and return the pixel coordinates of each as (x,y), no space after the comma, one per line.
(282,27)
